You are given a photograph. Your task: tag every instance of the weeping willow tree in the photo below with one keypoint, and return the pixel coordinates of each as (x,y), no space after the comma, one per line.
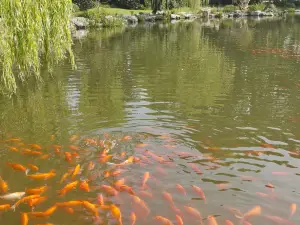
(33,33)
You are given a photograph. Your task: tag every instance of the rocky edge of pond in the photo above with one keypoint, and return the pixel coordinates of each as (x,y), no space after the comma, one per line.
(83,23)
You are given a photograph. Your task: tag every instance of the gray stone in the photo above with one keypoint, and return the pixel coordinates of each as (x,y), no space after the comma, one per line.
(188,15)
(159,17)
(80,22)
(160,13)
(238,13)
(175,17)
(256,13)
(130,19)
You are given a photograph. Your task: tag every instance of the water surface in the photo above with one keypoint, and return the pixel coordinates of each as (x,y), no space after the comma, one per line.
(219,96)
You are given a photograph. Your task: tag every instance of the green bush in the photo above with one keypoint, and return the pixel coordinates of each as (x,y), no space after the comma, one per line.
(75,8)
(230,8)
(84,4)
(99,16)
(256,7)
(219,15)
(291,10)
(128,4)
(290,5)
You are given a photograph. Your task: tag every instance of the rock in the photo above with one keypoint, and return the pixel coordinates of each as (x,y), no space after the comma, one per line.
(187,15)
(80,22)
(256,13)
(206,13)
(297,11)
(238,13)
(149,17)
(160,13)
(159,17)
(175,17)
(130,19)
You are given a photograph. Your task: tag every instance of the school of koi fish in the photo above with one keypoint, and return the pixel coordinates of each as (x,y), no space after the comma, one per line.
(87,192)
(285,54)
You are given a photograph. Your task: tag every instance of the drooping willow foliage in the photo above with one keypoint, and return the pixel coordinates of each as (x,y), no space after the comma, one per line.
(33,32)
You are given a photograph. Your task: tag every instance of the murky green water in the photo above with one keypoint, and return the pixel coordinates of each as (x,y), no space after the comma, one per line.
(222,97)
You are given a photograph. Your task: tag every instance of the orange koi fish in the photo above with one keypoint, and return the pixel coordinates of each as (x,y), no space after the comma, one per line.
(154,156)
(36,201)
(30,152)
(141,145)
(293,209)
(269,185)
(181,189)
(74,148)
(105,158)
(100,199)
(200,192)
(211,220)
(64,177)
(3,186)
(73,138)
(25,199)
(179,220)
(69,210)
(42,176)
(168,197)
(126,138)
(17,167)
(68,188)
(14,149)
(24,219)
(45,214)
(140,202)
(91,166)
(36,191)
(75,155)
(127,189)
(69,204)
(228,222)
(68,156)
(4,207)
(91,207)
(110,190)
(76,171)
(119,183)
(253,212)
(116,213)
(133,218)
(84,186)
(176,210)
(193,212)
(35,146)
(163,220)
(195,168)
(145,179)
(46,156)
(33,167)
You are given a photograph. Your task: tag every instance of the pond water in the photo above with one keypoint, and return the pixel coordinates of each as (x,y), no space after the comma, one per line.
(207,103)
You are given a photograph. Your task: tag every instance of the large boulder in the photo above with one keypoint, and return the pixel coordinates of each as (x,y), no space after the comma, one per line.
(238,13)
(80,22)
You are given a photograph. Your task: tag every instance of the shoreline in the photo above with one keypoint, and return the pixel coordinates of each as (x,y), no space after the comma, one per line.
(120,20)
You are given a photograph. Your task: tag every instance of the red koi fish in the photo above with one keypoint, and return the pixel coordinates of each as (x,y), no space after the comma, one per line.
(163,220)
(145,179)
(193,212)
(168,197)
(200,192)
(181,189)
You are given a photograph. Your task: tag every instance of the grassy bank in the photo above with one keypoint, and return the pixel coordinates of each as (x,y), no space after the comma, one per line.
(111,11)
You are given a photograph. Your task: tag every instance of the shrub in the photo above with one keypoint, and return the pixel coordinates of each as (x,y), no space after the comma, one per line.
(84,4)
(75,8)
(219,15)
(128,4)
(98,16)
(291,10)
(256,7)
(290,5)
(230,8)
